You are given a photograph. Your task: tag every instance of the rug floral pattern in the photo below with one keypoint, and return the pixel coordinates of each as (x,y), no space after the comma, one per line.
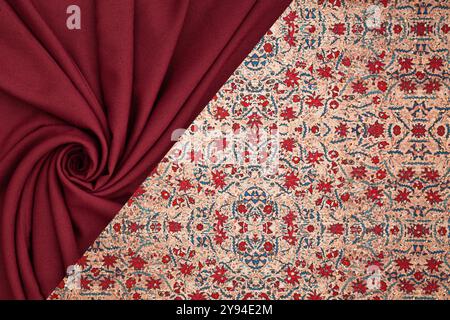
(320,170)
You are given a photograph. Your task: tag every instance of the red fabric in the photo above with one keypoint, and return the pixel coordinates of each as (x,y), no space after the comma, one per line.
(86,114)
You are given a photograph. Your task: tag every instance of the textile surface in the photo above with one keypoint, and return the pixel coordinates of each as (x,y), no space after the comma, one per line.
(319,171)
(86,113)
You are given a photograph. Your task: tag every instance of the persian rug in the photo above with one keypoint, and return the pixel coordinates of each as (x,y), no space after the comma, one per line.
(320,170)
(87,109)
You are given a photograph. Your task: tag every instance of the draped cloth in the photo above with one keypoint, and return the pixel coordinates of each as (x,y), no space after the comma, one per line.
(86,114)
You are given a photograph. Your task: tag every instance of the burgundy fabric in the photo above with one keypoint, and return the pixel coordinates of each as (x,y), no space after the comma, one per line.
(86,114)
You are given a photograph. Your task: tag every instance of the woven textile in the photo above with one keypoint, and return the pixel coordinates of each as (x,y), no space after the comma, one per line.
(87,109)
(319,171)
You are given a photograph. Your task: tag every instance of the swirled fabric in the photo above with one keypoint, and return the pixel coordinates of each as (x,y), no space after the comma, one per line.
(319,171)
(85,114)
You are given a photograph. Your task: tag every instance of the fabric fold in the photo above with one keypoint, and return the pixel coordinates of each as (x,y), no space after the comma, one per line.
(86,114)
